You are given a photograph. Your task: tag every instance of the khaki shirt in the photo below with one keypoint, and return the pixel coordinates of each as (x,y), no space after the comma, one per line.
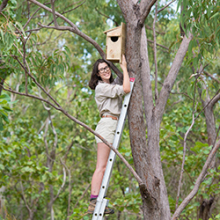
(108,97)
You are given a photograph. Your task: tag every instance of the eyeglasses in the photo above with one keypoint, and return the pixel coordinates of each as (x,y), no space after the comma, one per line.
(102,70)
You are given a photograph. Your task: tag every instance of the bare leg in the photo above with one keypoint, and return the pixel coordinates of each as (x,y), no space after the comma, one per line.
(102,158)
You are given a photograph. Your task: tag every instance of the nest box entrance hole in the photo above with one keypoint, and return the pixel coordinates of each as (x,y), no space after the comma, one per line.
(114,39)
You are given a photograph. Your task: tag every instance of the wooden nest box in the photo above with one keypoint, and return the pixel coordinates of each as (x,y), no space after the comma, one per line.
(115,43)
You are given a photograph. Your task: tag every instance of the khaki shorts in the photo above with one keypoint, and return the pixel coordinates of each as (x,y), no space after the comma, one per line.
(106,128)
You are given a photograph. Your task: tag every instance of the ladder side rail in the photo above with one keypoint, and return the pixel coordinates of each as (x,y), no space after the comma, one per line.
(102,205)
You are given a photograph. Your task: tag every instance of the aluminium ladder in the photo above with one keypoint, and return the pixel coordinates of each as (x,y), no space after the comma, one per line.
(101,201)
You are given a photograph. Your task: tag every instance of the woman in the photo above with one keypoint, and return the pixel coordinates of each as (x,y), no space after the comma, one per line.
(108,96)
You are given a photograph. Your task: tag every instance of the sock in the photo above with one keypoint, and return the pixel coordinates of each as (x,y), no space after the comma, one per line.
(93,197)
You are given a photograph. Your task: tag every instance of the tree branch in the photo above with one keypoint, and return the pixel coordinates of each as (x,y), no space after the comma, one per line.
(139,180)
(208,103)
(75,7)
(68,149)
(70,192)
(158,32)
(183,161)
(75,30)
(24,41)
(38,84)
(81,197)
(160,45)
(209,75)
(181,93)
(46,144)
(170,79)
(64,28)
(48,39)
(31,18)
(2,80)
(74,27)
(199,180)
(155,51)
(3,5)
(116,23)
(64,181)
(215,99)
(166,6)
(145,7)
(145,77)
(53,12)
(24,60)
(24,199)
(53,151)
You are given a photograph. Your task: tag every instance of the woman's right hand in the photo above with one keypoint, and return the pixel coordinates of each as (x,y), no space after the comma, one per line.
(123,63)
(126,80)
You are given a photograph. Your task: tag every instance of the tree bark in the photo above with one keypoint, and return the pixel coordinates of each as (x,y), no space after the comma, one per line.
(146,153)
(137,127)
(3,5)
(206,205)
(205,208)
(152,127)
(2,212)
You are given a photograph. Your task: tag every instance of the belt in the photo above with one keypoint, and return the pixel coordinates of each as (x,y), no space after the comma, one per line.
(110,116)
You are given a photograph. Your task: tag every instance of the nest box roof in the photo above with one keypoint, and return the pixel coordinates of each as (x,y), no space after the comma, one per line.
(117,31)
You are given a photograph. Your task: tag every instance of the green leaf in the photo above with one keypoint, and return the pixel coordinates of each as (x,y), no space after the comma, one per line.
(6,108)
(203,94)
(2,35)
(21,28)
(11,27)
(213,16)
(1,124)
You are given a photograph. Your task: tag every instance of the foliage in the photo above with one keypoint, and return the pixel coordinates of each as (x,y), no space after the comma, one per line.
(202,19)
(4,109)
(62,62)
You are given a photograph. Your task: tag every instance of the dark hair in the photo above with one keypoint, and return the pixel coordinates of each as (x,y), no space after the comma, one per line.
(94,77)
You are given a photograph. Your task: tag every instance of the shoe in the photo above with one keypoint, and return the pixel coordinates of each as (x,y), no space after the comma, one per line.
(92,205)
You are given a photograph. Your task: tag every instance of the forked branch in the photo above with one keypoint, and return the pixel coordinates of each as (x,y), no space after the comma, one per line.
(145,7)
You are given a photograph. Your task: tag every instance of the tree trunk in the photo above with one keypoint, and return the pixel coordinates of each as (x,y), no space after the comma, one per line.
(205,208)
(2,212)
(155,160)
(153,127)
(137,127)
(206,205)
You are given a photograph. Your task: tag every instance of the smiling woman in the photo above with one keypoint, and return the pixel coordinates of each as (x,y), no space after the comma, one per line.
(108,96)
(104,72)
